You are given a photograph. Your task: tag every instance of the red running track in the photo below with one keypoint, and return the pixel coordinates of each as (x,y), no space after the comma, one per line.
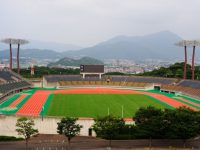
(16,102)
(95,91)
(34,105)
(187,101)
(169,101)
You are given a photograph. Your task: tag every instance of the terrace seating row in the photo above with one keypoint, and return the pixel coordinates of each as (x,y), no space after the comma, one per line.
(57,78)
(143,79)
(133,84)
(185,90)
(4,88)
(190,83)
(9,76)
(1,81)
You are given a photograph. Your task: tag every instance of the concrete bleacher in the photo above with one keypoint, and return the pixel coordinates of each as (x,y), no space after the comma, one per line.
(187,87)
(184,89)
(4,88)
(76,80)
(8,76)
(138,79)
(11,83)
(57,78)
(190,83)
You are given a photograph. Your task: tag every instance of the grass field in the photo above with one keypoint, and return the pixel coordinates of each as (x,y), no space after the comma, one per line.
(94,105)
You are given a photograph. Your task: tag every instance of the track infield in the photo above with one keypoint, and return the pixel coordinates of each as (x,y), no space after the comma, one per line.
(92,102)
(94,105)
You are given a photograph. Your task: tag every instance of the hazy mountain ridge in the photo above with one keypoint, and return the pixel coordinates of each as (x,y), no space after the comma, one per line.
(156,46)
(36,44)
(153,46)
(32,53)
(76,62)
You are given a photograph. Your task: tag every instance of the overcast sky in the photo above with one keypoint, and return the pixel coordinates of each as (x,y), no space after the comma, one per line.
(87,22)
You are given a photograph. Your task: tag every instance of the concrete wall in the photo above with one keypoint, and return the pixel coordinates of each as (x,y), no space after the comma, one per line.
(36,83)
(47,126)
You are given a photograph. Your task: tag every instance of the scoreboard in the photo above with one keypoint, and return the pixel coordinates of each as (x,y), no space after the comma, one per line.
(92,68)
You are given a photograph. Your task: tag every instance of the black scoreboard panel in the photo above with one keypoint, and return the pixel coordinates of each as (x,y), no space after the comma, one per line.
(92,68)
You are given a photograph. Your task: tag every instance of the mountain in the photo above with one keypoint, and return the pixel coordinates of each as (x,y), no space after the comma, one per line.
(159,45)
(32,53)
(35,44)
(154,46)
(76,62)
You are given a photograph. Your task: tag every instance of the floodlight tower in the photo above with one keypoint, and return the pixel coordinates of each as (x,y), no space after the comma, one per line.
(9,41)
(185,44)
(19,42)
(194,44)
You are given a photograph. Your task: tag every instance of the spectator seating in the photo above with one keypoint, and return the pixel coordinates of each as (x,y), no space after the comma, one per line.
(4,88)
(143,79)
(193,92)
(130,84)
(190,83)
(57,78)
(11,82)
(188,87)
(8,76)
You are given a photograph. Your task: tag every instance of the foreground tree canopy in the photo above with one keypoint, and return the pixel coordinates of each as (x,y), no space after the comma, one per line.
(25,128)
(151,123)
(108,127)
(68,127)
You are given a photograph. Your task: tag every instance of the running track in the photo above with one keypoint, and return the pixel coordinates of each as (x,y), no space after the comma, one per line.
(169,101)
(34,105)
(16,102)
(187,101)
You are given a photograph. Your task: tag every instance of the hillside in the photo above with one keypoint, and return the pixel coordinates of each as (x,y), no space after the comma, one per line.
(36,44)
(159,45)
(174,71)
(154,46)
(76,62)
(32,53)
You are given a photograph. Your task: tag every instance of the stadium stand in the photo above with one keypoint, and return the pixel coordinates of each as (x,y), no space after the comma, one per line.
(190,83)
(2,81)
(57,78)
(73,80)
(185,90)
(169,85)
(8,76)
(138,79)
(11,83)
(4,88)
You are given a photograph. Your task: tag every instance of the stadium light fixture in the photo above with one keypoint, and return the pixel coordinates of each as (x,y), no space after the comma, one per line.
(17,42)
(185,44)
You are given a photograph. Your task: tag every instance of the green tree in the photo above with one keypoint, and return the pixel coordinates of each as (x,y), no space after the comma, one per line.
(41,71)
(182,123)
(179,73)
(169,73)
(108,127)
(69,128)
(149,123)
(25,128)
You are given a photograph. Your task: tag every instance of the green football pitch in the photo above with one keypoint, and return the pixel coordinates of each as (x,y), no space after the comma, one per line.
(95,105)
